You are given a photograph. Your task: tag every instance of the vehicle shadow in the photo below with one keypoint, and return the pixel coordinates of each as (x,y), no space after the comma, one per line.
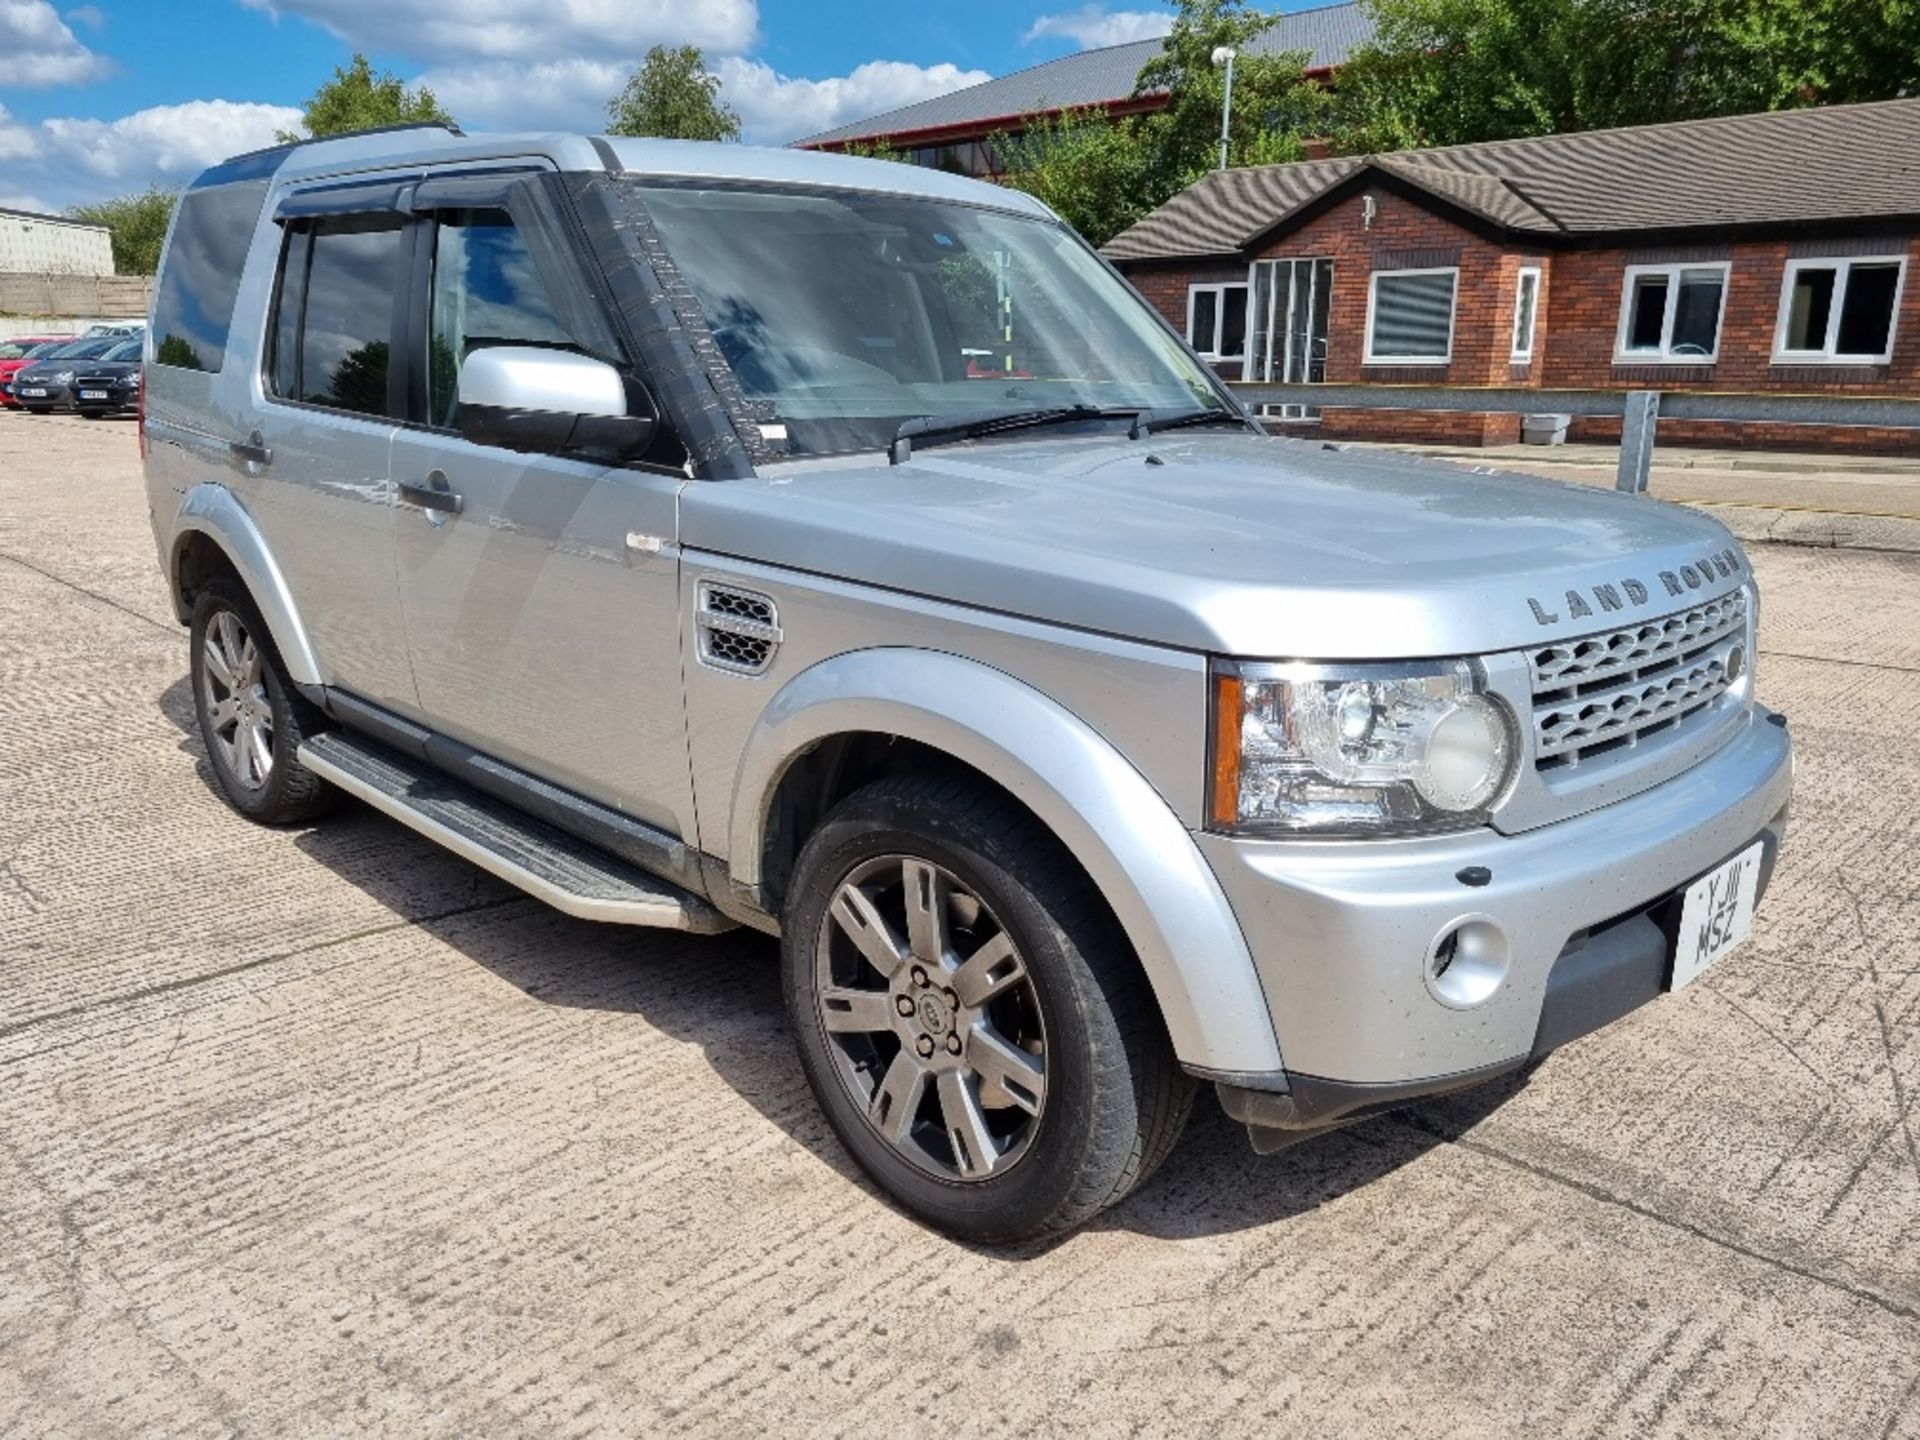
(721,994)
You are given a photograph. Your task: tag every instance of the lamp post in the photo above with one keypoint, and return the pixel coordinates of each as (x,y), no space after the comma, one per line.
(1224,55)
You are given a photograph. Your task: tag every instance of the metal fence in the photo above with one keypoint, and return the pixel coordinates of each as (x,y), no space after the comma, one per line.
(1639,411)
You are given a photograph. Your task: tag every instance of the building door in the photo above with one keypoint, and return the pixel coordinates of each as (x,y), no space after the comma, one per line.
(1288,344)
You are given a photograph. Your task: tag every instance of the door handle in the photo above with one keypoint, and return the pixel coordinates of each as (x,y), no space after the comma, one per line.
(434,495)
(253,450)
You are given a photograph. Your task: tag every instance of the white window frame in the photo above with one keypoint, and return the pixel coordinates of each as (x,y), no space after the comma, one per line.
(1453,316)
(1844,265)
(1523,355)
(1623,356)
(1219,289)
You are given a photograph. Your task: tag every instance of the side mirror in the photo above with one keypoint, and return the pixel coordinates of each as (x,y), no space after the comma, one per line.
(521,397)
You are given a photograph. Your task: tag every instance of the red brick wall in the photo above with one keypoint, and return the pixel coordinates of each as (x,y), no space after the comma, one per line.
(1578,314)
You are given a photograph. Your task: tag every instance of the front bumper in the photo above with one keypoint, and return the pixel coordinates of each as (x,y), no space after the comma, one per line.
(57,396)
(1341,931)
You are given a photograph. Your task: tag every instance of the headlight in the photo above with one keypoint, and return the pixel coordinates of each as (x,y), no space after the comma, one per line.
(1339,750)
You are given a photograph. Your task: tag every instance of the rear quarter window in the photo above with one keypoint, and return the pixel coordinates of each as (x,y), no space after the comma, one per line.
(193,307)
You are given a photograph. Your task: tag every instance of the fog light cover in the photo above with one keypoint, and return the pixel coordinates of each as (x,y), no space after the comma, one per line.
(1356,750)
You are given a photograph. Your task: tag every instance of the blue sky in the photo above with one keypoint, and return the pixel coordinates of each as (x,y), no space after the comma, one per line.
(103,97)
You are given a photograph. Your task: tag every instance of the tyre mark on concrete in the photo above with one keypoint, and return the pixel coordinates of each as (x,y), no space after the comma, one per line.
(79,589)
(1890,1304)
(1841,660)
(1854,1177)
(1901,1407)
(188,982)
(1762,1027)
(1901,1109)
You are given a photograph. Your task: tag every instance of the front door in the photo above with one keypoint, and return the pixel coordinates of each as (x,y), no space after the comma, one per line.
(541,614)
(1288,328)
(320,446)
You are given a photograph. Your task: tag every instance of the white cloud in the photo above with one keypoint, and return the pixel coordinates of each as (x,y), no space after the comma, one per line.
(775,108)
(9,200)
(37,48)
(90,16)
(443,32)
(1090,27)
(75,160)
(549,95)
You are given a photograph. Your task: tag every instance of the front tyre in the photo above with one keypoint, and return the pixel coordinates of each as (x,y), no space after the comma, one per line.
(252,719)
(975,1027)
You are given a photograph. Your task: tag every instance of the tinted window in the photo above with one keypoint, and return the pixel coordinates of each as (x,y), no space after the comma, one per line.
(1866,320)
(193,309)
(335,313)
(1412,315)
(847,313)
(85,349)
(485,292)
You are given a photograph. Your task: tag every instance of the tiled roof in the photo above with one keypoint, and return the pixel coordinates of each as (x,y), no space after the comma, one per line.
(1099,77)
(1778,168)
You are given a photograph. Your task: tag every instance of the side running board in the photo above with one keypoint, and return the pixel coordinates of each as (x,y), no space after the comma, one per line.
(569,874)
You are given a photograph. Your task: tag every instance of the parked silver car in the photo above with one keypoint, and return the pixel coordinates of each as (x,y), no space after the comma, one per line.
(699,536)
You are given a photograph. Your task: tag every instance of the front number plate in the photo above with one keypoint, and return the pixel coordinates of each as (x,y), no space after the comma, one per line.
(1717,914)
(33,392)
(93,394)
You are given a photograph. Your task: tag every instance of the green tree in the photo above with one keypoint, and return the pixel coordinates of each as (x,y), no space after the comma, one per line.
(1446,72)
(138,224)
(178,353)
(357,99)
(672,95)
(1275,104)
(1094,171)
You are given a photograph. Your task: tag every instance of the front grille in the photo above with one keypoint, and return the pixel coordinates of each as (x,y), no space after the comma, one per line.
(1616,689)
(739,630)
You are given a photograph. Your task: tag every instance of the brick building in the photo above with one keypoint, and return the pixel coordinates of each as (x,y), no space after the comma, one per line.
(1750,253)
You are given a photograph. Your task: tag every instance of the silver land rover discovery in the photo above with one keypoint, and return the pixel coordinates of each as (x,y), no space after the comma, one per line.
(697,536)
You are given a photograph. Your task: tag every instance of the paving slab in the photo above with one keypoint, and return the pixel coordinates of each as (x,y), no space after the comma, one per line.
(320,1131)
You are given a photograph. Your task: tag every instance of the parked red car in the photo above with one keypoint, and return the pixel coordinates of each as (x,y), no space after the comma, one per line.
(15,354)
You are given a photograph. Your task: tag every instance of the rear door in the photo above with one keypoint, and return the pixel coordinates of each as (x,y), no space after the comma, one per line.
(541,614)
(322,437)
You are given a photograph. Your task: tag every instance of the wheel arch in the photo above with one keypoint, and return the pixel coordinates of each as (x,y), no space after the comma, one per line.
(1131,845)
(214,533)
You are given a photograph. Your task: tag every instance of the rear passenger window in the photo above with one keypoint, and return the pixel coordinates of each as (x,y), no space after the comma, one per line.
(486,291)
(334,313)
(193,306)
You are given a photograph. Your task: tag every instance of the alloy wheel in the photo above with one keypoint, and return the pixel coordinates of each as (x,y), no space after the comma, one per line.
(931,1018)
(233,683)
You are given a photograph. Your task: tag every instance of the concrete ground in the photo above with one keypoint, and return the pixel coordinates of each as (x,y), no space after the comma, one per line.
(326,1132)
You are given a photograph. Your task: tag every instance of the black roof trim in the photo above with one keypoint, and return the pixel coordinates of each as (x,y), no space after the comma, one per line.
(255,164)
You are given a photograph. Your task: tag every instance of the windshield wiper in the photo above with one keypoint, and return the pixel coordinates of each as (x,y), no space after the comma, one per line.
(925,430)
(1149,423)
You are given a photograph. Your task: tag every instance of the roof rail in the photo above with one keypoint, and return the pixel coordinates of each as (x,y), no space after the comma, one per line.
(446,125)
(252,164)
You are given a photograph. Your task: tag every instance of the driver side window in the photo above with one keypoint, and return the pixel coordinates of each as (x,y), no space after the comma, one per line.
(486,291)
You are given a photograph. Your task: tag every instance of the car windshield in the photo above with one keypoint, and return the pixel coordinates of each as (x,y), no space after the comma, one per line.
(86,349)
(125,350)
(10,351)
(848,313)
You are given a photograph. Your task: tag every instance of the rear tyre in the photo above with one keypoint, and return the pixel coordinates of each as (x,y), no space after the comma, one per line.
(252,719)
(973,1023)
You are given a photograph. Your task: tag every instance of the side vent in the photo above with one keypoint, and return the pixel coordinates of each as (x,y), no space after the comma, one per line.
(739,630)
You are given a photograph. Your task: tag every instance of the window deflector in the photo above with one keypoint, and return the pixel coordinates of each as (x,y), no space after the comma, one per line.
(524,198)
